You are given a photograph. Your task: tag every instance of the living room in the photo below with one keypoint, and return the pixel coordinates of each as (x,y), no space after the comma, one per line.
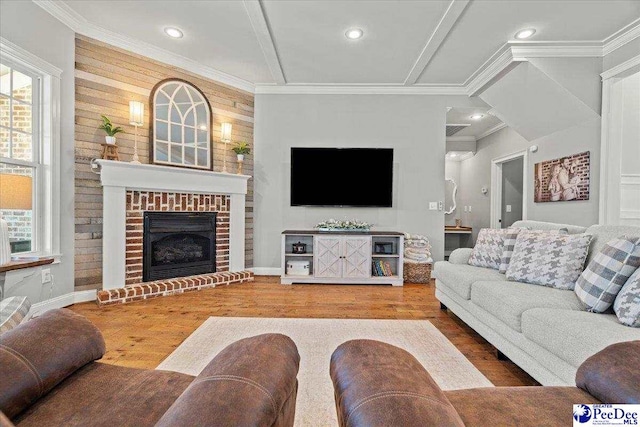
(319,213)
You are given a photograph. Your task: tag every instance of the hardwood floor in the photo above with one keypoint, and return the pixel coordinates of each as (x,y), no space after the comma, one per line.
(142,334)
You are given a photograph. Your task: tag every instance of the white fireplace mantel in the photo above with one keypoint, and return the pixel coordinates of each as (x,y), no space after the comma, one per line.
(118,177)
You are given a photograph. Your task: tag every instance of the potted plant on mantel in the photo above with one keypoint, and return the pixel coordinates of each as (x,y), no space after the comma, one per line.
(110,130)
(241,148)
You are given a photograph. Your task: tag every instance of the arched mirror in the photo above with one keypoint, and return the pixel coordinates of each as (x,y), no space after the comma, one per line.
(181,126)
(450,190)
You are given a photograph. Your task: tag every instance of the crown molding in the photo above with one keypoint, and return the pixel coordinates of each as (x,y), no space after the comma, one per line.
(621,38)
(293,89)
(65,14)
(495,65)
(621,68)
(526,50)
(26,58)
(261,28)
(494,129)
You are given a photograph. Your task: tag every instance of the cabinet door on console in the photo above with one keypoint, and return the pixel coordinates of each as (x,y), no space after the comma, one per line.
(357,256)
(328,256)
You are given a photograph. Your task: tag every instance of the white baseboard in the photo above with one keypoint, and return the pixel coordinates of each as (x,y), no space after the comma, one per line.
(63,301)
(266,271)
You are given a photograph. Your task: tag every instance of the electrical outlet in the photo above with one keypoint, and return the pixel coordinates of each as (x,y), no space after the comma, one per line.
(440,205)
(469,208)
(465,208)
(508,208)
(433,206)
(46,275)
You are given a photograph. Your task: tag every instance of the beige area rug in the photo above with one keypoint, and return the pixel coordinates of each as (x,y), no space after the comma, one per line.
(316,340)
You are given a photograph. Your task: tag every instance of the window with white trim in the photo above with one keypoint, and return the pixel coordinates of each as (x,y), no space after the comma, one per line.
(29,151)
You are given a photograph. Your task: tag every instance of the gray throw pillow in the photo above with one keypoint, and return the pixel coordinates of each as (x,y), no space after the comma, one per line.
(607,272)
(627,304)
(554,260)
(488,249)
(510,243)
(13,310)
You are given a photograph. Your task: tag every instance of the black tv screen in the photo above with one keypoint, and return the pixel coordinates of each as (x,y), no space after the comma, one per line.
(341,177)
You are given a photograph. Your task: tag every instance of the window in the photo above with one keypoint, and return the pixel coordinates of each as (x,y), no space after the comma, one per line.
(29,151)
(181,126)
(19,163)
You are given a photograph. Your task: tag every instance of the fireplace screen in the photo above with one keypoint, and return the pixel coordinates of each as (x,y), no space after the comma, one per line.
(178,244)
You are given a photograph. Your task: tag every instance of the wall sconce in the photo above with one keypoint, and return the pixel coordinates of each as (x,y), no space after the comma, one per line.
(225,136)
(136,118)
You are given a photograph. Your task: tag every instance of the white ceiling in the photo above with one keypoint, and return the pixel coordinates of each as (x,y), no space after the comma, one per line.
(477,127)
(305,42)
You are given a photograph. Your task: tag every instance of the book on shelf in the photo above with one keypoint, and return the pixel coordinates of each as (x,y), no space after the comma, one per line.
(381,268)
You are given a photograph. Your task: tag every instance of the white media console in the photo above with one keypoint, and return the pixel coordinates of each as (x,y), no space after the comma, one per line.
(344,257)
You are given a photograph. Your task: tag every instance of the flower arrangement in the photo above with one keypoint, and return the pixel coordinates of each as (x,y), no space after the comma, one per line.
(343,225)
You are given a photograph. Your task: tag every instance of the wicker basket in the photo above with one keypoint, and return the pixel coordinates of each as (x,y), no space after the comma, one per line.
(414,272)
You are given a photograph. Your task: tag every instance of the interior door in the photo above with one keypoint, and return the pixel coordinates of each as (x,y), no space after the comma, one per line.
(512,188)
(357,256)
(328,256)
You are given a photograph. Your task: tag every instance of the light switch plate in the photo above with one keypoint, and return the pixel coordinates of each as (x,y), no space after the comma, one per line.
(508,208)
(433,206)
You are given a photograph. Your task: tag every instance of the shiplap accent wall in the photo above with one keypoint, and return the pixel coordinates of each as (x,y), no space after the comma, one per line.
(107,78)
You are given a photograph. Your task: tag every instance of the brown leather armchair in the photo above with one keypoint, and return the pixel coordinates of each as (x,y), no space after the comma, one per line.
(377,384)
(48,376)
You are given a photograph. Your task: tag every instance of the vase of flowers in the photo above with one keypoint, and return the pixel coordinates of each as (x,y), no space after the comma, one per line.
(343,225)
(241,148)
(110,130)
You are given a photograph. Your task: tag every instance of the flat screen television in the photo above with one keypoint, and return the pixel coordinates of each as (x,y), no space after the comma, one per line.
(361,177)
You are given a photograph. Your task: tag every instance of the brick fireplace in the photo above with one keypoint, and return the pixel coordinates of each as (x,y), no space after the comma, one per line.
(135,194)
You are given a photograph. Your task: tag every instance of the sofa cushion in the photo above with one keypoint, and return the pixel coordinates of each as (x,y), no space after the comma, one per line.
(554,260)
(612,375)
(459,278)
(572,335)
(39,354)
(607,272)
(627,303)
(488,249)
(517,406)
(107,395)
(508,300)
(13,310)
(541,225)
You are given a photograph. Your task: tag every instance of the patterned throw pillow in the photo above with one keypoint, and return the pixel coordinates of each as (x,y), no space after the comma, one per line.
(510,243)
(554,260)
(488,249)
(12,311)
(627,304)
(607,272)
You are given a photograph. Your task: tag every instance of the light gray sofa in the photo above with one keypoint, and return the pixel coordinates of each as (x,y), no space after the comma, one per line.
(543,330)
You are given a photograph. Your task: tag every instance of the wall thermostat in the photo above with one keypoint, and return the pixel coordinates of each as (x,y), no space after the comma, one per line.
(484,190)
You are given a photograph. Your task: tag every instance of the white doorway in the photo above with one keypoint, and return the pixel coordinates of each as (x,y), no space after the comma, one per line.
(509,189)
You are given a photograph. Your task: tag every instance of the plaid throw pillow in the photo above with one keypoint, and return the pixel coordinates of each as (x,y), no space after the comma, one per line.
(554,260)
(12,311)
(627,304)
(510,243)
(607,272)
(488,249)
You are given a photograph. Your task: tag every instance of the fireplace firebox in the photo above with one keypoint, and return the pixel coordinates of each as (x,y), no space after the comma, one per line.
(178,244)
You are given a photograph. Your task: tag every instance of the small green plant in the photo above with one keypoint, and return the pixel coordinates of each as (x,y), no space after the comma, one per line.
(241,148)
(108,127)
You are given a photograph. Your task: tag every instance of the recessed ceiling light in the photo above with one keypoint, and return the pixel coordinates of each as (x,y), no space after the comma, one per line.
(173,32)
(354,33)
(477,116)
(525,34)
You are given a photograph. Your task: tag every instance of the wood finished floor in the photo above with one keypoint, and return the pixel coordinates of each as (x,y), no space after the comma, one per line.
(142,334)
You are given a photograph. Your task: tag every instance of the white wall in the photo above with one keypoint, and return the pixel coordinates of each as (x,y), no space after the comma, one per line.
(476,173)
(31,28)
(414,126)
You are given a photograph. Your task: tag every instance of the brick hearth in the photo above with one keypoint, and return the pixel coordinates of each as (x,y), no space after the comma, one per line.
(168,287)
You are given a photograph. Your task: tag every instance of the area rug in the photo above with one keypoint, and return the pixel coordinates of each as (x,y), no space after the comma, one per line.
(316,340)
